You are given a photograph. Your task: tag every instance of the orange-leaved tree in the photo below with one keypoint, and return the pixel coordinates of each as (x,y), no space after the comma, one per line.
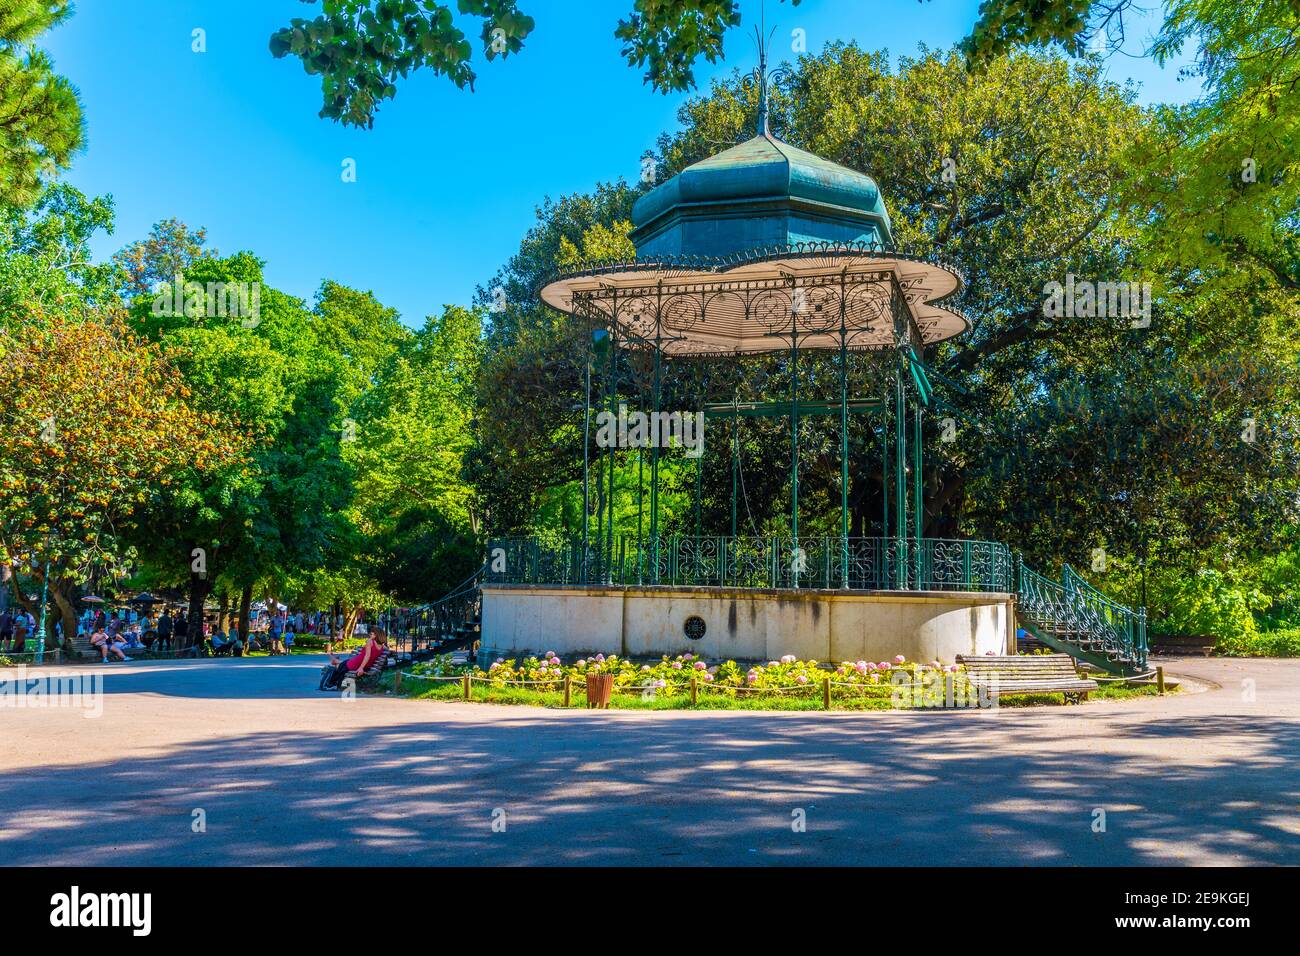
(94,421)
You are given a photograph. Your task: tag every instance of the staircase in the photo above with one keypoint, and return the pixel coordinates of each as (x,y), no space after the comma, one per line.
(449,624)
(1072,616)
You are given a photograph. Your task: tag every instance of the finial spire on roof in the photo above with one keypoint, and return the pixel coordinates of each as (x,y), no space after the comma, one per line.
(764,129)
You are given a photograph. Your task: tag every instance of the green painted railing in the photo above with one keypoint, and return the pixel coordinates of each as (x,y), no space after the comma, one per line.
(1082,620)
(875,564)
(448,623)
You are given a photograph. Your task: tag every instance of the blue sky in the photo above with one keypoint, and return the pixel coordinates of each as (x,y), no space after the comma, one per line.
(447,181)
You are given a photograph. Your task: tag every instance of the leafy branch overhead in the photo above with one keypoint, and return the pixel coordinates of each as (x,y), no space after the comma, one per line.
(361,49)
(668,36)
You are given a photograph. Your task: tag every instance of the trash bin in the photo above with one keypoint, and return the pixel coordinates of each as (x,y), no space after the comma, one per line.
(599,689)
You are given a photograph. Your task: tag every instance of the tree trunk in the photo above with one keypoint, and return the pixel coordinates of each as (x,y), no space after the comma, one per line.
(67,614)
(245,606)
(350,622)
(223,610)
(21,599)
(199,588)
(5,574)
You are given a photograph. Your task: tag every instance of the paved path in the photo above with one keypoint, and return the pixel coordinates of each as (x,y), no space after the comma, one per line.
(287,775)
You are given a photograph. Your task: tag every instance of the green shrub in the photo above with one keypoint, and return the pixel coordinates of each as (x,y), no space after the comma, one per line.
(1207,602)
(1282,643)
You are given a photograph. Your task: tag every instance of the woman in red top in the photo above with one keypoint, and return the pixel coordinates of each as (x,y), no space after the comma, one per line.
(359,663)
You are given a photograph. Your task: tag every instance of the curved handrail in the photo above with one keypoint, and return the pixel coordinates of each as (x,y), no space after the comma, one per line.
(1074,603)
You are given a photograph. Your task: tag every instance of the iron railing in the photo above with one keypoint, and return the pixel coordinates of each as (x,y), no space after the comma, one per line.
(426,629)
(873,564)
(1076,607)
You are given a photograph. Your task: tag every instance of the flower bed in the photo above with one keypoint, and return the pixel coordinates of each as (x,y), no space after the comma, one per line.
(896,683)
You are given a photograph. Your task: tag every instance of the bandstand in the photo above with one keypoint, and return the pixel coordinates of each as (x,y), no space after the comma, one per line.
(765,248)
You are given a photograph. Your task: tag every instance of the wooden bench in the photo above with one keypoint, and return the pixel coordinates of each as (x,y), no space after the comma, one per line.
(1181,644)
(371,677)
(1003,675)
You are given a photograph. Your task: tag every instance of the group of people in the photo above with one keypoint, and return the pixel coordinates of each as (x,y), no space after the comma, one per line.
(15,627)
(117,634)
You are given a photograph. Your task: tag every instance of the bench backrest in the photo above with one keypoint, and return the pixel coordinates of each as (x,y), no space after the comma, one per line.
(1020,667)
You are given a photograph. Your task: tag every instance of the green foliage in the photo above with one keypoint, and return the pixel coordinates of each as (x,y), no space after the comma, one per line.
(1221,175)
(1283,643)
(362,48)
(668,38)
(412,436)
(45,257)
(40,115)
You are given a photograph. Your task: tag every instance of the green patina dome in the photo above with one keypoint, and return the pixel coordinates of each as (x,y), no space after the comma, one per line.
(761,193)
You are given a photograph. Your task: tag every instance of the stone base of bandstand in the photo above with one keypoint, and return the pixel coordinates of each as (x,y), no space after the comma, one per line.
(744,624)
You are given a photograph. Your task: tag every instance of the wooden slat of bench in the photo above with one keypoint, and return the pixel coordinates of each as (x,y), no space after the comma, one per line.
(1077,683)
(1019,674)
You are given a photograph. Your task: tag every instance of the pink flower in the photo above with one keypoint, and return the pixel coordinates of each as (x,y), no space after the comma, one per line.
(708,677)
(899,659)
(600,657)
(953,668)
(550,654)
(802,679)
(788,659)
(688,657)
(752,678)
(581,663)
(884,666)
(700,665)
(677,665)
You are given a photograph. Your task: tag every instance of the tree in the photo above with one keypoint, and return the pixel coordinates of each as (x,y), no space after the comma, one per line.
(362,48)
(94,422)
(40,116)
(1221,173)
(416,513)
(172,249)
(45,257)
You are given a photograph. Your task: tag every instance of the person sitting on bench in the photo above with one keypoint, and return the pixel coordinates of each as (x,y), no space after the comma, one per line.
(106,645)
(222,645)
(369,656)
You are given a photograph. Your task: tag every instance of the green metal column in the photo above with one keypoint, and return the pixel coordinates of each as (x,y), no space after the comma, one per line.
(918,503)
(699,493)
(794,432)
(654,465)
(699,462)
(844,450)
(586,465)
(735,463)
(900,474)
(640,512)
(884,472)
(613,445)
